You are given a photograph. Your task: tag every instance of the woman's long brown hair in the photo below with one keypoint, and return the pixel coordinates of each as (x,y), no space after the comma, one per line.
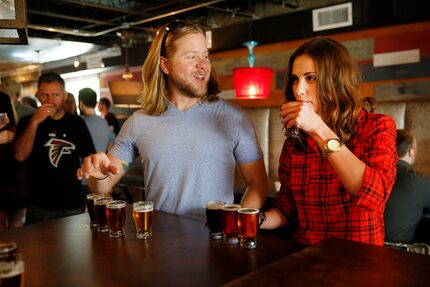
(338,81)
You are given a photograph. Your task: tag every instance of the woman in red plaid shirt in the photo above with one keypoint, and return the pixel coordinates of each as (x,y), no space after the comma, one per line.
(337,173)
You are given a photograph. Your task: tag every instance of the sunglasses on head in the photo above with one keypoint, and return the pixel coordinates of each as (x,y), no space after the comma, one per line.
(170,28)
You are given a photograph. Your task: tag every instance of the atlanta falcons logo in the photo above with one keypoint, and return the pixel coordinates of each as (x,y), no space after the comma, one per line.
(58,147)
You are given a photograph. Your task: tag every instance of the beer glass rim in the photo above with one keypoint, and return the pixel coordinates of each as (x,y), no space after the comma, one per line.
(248,210)
(7,246)
(231,207)
(94,195)
(215,203)
(116,204)
(146,205)
(103,199)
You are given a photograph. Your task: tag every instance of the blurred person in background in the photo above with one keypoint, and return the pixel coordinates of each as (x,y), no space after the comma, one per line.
(70,104)
(30,101)
(104,106)
(410,197)
(13,89)
(12,199)
(53,142)
(103,137)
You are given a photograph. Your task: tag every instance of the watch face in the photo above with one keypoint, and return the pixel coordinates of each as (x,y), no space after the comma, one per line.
(333,145)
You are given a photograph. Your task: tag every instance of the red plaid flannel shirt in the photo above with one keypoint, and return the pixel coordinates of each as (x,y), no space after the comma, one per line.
(312,193)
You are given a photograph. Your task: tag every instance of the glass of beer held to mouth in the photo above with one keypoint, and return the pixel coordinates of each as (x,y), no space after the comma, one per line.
(116,214)
(229,223)
(248,223)
(143,213)
(100,211)
(214,220)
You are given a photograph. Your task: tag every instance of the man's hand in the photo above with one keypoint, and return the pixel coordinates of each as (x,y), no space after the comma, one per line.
(97,165)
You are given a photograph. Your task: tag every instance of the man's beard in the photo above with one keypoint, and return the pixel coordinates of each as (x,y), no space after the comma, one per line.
(187,89)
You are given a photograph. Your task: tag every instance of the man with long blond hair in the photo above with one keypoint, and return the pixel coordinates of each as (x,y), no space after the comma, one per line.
(189,140)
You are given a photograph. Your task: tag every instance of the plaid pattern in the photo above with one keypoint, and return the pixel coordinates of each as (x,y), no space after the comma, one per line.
(312,193)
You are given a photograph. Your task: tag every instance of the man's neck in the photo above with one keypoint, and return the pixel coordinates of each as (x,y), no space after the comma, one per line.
(89,112)
(183,103)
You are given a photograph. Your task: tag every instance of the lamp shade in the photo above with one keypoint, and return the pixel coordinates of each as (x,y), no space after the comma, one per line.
(125,92)
(252,83)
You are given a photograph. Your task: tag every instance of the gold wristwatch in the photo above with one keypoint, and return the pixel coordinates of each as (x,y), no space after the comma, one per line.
(332,145)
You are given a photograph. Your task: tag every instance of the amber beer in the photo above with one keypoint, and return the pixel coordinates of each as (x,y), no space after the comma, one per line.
(214,220)
(229,223)
(247,223)
(91,210)
(116,214)
(100,212)
(143,213)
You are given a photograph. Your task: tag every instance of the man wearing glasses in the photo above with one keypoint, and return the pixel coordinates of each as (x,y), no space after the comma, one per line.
(189,139)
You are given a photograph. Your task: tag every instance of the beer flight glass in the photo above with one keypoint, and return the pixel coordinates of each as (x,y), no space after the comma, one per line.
(214,219)
(91,210)
(11,265)
(229,223)
(248,226)
(100,212)
(116,214)
(143,213)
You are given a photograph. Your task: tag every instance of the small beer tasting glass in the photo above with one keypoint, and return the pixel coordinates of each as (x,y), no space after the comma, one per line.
(214,220)
(11,265)
(116,214)
(100,210)
(143,213)
(229,223)
(248,223)
(91,210)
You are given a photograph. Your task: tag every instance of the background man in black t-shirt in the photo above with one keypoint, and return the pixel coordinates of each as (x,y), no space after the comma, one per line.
(53,142)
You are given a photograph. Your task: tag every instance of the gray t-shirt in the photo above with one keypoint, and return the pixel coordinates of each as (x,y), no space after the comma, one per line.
(100,132)
(189,157)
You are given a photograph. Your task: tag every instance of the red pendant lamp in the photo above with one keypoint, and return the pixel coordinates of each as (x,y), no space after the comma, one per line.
(251,82)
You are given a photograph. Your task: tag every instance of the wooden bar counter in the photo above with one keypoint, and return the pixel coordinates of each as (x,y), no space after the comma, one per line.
(65,252)
(335,262)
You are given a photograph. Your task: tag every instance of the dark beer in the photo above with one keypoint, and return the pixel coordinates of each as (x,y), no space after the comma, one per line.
(247,223)
(116,214)
(91,209)
(229,223)
(143,213)
(100,212)
(214,219)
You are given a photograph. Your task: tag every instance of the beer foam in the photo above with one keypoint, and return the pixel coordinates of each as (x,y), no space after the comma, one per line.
(143,208)
(116,204)
(248,210)
(214,207)
(231,207)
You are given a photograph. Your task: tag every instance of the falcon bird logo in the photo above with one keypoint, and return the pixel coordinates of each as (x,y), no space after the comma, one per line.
(58,147)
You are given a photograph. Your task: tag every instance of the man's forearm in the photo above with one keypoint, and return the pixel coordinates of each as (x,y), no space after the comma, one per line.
(24,143)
